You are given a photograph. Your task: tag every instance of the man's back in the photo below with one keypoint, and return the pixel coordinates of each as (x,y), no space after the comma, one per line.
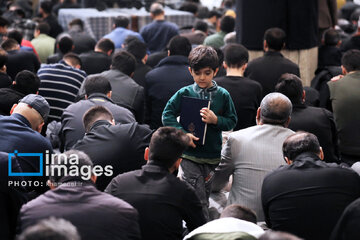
(96,215)
(119,34)
(321,123)
(158,33)
(72,128)
(122,146)
(19,60)
(161,199)
(250,154)
(345,98)
(267,70)
(8,97)
(246,95)
(59,85)
(83,42)
(95,62)
(125,92)
(307,197)
(162,83)
(44,45)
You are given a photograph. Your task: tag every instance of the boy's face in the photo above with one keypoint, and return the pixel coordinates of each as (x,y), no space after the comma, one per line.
(204,76)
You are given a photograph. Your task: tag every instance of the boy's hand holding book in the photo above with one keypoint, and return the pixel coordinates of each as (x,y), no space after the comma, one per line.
(208,116)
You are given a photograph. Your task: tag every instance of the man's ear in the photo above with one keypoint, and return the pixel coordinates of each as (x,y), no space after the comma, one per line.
(109,52)
(244,67)
(132,74)
(288,161)
(258,116)
(177,163)
(343,69)
(225,65)
(216,71)
(303,96)
(321,154)
(51,185)
(145,58)
(265,45)
(93,178)
(12,108)
(77,66)
(287,122)
(190,70)
(39,127)
(146,154)
(108,94)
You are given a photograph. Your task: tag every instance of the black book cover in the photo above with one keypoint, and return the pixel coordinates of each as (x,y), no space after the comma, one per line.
(190,117)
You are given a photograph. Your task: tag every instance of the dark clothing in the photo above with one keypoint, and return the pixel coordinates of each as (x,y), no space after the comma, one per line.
(162,83)
(16,134)
(312,97)
(11,197)
(155,58)
(8,97)
(307,197)
(141,70)
(329,56)
(351,43)
(158,33)
(161,199)
(125,92)
(83,42)
(122,146)
(298,18)
(95,62)
(5,80)
(55,58)
(72,127)
(96,215)
(195,38)
(267,70)
(19,60)
(347,228)
(55,28)
(319,122)
(246,95)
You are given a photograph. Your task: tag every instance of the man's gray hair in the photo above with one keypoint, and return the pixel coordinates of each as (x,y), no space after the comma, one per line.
(156,9)
(52,228)
(276,109)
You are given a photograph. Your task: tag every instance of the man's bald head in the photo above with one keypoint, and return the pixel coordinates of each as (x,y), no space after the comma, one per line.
(275,108)
(301,142)
(30,114)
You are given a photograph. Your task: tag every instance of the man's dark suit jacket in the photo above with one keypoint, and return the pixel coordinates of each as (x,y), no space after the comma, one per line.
(140,72)
(161,199)
(162,83)
(319,122)
(267,70)
(307,197)
(246,95)
(95,62)
(122,146)
(19,60)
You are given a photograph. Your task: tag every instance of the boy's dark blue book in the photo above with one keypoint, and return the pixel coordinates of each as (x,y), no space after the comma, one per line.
(190,117)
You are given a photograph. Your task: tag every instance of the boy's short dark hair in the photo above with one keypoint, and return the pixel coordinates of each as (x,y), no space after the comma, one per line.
(213,13)
(136,48)
(65,44)
(97,84)
(275,38)
(94,114)
(240,212)
(227,24)
(179,45)
(201,26)
(43,27)
(236,55)
(9,44)
(351,60)
(121,21)
(3,57)
(124,61)
(202,57)
(73,58)
(105,44)
(331,37)
(27,82)
(291,86)
(15,34)
(166,145)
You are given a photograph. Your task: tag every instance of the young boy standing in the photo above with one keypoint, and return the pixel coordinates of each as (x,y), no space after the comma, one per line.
(200,161)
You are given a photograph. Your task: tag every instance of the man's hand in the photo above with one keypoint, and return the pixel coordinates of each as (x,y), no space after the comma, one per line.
(337,78)
(192,139)
(208,116)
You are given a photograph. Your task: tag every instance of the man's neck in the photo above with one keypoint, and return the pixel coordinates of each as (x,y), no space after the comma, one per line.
(159,17)
(234,72)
